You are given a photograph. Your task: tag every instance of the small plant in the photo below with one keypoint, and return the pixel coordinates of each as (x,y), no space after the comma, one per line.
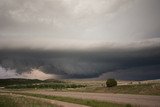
(111,83)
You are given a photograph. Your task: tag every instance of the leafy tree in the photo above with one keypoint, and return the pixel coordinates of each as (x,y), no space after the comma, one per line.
(111,83)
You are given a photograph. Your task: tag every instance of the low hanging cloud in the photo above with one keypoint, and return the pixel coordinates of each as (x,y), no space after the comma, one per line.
(85,64)
(137,73)
(37,74)
(33,74)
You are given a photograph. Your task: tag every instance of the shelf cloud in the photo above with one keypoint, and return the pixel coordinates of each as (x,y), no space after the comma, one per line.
(85,64)
(80,38)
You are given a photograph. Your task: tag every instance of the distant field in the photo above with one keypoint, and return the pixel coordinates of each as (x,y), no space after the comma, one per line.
(151,87)
(124,87)
(36,84)
(102,83)
(143,89)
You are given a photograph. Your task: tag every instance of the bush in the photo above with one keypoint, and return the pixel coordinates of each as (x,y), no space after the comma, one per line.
(111,83)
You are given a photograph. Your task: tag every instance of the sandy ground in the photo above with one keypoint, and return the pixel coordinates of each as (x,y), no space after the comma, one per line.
(58,103)
(142,100)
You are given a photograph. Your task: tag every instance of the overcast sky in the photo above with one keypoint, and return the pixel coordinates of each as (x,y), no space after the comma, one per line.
(96,27)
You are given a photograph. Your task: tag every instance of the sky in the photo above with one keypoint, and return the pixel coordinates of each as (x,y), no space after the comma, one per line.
(79,39)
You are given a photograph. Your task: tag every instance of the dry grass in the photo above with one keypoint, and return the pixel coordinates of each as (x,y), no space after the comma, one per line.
(14,101)
(125,87)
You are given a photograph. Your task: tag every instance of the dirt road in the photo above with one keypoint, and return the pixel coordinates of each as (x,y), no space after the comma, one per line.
(142,100)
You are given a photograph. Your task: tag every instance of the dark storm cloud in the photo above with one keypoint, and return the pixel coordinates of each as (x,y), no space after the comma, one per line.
(84,64)
(137,73)
(81,38)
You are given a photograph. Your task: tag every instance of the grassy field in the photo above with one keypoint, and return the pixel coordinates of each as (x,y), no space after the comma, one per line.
(143,88)
(92,103)
(124,87)
(10,101)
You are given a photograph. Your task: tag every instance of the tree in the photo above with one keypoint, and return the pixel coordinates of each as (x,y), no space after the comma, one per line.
(111,83)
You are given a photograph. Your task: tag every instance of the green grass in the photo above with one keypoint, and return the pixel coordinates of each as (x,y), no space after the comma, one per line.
(10,101)
(92,103)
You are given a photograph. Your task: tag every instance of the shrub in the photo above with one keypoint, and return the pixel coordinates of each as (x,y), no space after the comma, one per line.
(111,83)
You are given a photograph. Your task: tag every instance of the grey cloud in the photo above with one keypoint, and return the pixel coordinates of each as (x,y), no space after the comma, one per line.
(142,73)
(82,64)
(107,20)
(30,17)
(80,38)
(53,18)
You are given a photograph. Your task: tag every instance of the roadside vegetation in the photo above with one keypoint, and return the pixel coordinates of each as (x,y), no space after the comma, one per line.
(10,101)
